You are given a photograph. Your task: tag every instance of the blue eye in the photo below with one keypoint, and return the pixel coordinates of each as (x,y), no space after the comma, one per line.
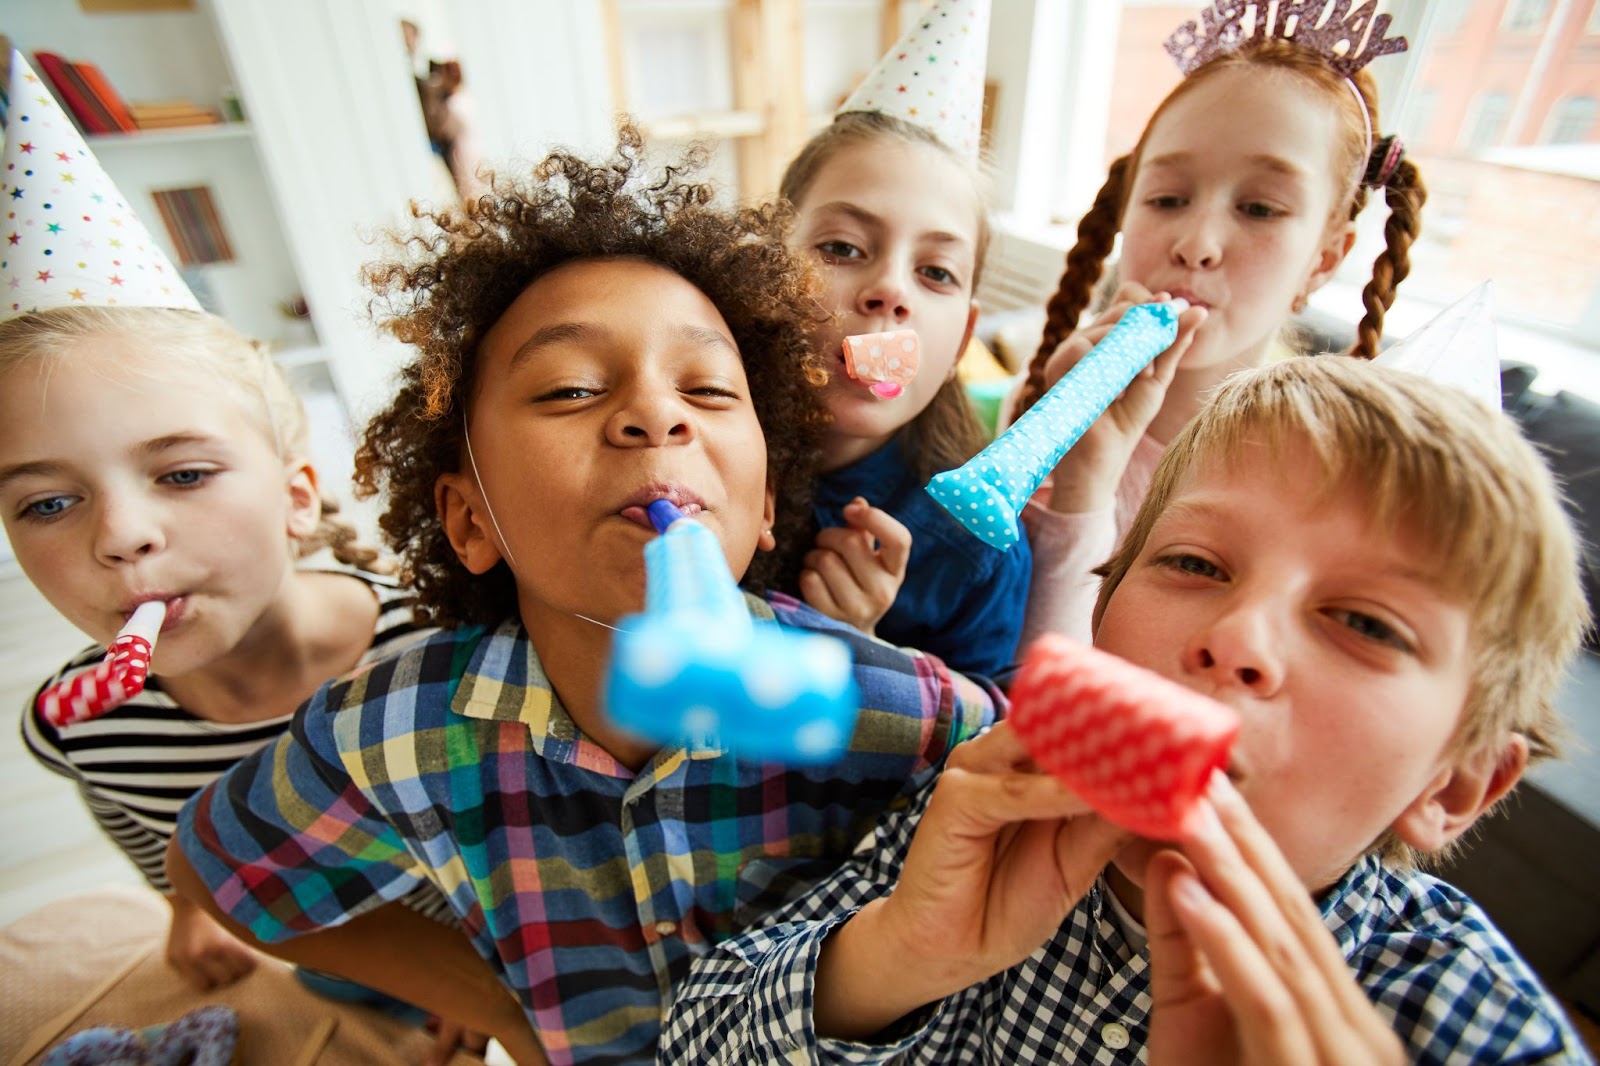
(186,479)
(51,507)
(939,275)
(1371,628)
(1190,564)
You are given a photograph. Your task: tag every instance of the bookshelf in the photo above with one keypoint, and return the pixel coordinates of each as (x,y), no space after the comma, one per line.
(100,143)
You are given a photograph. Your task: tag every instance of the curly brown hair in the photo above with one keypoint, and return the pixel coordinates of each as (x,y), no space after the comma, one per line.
(463,269)
(1404,194)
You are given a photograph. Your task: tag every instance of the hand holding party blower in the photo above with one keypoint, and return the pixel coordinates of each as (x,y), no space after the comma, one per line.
(1136,747)
(988,492)
(115,680)
(696,669)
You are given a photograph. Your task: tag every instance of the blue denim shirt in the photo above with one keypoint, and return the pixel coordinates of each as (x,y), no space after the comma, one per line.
(962,600)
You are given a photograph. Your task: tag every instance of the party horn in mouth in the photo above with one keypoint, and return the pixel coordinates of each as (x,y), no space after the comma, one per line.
(884,362)
(1136,747)
(114,680)
(694,669)
(987,493)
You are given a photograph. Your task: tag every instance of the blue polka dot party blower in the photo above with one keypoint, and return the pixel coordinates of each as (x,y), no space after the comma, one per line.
(694,669)
(987,493)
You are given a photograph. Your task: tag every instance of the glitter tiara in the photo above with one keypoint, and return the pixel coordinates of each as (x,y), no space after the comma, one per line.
(1350,36)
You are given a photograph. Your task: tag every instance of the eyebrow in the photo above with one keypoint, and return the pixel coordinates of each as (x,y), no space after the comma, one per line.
(867,218)
(1261,159)
(145,450)
(596,333)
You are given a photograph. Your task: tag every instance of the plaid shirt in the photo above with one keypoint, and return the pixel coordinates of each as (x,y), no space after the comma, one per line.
(588,887)
(1447,980)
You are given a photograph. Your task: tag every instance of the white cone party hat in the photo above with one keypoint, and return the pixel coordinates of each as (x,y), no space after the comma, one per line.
(933,76)
(68,237)
(1456,347)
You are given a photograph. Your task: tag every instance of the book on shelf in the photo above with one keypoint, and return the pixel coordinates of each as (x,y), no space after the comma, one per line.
(194,225)
(75,94)
(108,97)
(172,113)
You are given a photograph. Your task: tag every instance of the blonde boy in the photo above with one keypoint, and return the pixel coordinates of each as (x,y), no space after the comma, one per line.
(1376,573)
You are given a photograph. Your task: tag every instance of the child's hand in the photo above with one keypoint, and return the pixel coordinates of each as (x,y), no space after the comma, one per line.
(1087,476)
(1002,854)
(855,571)
(1242,970)
(205,954)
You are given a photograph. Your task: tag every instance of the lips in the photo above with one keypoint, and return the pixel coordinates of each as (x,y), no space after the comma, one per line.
(634,506)
(177,606)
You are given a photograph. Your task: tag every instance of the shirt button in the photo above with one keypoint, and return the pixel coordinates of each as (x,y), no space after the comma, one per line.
(668,928)
(1115,1036)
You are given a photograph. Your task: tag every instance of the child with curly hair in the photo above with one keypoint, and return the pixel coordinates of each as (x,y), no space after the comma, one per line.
(587,343)
(1241,197)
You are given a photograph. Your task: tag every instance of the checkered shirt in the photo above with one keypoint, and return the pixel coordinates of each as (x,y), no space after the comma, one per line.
(588,887)
(1427,956)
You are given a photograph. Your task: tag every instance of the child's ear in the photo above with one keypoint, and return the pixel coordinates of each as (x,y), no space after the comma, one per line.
(1335,246)
(1461,793)
(305,502)
(769,513)
(466,522)
(966,339)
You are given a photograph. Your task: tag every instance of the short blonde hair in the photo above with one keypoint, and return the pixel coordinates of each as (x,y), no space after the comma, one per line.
(212,349)
(1461,479)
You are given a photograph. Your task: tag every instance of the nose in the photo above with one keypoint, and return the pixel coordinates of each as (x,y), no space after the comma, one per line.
(885,293)
(651,415)
(128,529)
(1198,245)
(1239,649)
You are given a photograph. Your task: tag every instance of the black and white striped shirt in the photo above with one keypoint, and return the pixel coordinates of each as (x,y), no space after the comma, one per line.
(136,766)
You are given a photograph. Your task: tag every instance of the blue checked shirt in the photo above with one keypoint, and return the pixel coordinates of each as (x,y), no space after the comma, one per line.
(1447,980)
(588,887)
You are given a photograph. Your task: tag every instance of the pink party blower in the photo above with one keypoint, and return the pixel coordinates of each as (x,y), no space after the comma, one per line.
(115,680)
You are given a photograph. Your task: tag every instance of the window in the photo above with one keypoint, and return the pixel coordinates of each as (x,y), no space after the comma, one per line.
(1525,16)
(1570,121)
(1417,122)
(1490,113)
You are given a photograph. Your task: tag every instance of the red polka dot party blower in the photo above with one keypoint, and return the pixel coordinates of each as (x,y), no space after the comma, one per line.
(113,681)
(1136,747)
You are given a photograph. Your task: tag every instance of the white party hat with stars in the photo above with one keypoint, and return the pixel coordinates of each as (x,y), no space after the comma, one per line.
(933,76)
(68,238)
(1455,347)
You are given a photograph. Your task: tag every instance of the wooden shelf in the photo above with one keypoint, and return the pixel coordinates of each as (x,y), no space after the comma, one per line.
(710,124)
(221,131)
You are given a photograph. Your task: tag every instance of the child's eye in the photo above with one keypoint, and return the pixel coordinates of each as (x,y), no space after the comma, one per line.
(832,250)
(186,479)
(1166,201)
(939,275)
(570,392)
(1190,564)
(1260,210)
(47,509)
(1371,628)
(715,390)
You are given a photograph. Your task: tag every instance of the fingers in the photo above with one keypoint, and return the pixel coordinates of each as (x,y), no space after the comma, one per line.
(855,571)
(996,750)
(1262,934)
(1178,972)
(893,538)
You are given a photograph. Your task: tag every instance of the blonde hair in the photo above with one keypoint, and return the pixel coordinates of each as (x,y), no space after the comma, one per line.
(1462,480)
(947,432)
(213,349)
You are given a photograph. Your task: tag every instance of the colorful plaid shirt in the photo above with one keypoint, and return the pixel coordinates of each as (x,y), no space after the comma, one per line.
(1454,989)
(588,887)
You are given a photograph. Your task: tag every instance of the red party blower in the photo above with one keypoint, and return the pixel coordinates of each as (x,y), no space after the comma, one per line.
(115,680)
(1136,747)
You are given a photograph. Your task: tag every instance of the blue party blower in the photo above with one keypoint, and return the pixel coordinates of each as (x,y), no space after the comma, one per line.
(696,670)
(987,493)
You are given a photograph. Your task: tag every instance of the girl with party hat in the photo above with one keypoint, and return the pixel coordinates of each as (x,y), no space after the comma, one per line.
(1239,197)
(891,200)
(151,454)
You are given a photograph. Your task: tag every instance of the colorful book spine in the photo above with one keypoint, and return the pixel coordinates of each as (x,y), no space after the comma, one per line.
(74,94)
(108,97)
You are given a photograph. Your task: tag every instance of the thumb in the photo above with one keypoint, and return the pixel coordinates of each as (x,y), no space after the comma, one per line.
(1178,972)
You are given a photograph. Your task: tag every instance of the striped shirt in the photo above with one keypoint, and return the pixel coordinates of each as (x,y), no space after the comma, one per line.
(587,887)
(136,766)
(1430,960)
